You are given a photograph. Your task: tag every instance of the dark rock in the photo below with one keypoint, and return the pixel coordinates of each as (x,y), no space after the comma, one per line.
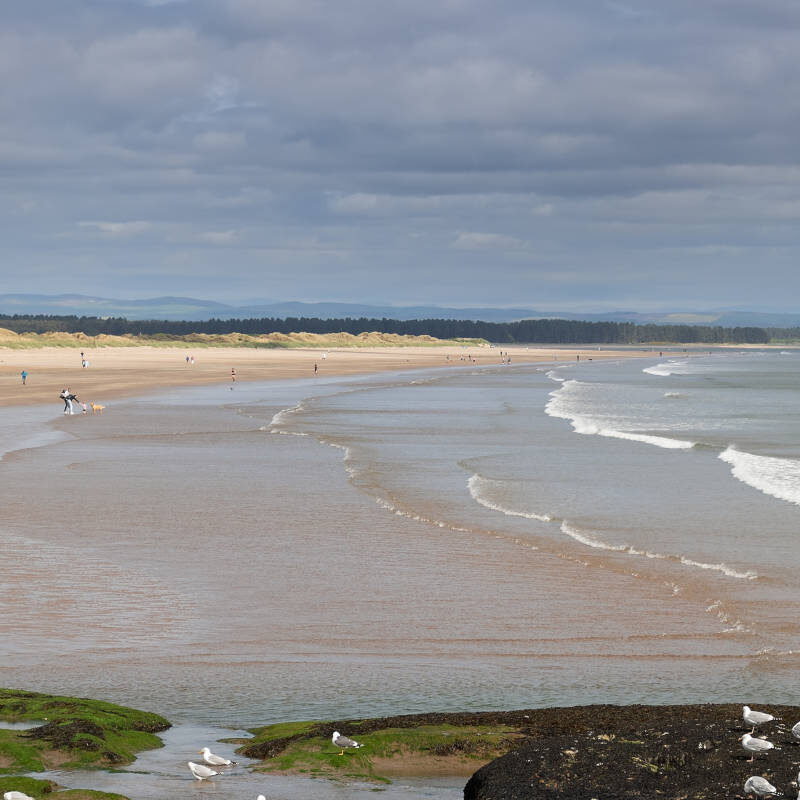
(80,734)
(625,752)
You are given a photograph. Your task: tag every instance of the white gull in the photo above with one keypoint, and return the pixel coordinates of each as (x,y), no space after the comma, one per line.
(759,786)
(214,760)
(201,771)
(753,745)
(343,742)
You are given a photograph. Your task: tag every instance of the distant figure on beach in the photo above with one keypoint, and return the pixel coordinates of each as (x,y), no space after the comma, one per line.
(24,375)
(233,375)
(81,355)
(324,356)
(83,407)
(187,360)
(191,360)
(67,396)
(315,367)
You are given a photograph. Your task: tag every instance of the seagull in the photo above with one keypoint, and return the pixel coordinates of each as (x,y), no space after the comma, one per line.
(215,761)
(759,786)
(201,771)
(343,741)
(755,717)
(755,745)
(13,795)
(796,731)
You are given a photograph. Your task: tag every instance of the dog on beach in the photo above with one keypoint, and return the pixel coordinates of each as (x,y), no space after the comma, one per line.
(96,408)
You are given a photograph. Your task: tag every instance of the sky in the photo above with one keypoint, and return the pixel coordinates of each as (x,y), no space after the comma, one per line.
(565,154)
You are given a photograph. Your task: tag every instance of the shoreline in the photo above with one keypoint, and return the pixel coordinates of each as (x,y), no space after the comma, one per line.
(679,752)
(115,373)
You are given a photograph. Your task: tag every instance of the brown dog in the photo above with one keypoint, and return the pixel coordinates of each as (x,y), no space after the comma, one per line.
(96,408)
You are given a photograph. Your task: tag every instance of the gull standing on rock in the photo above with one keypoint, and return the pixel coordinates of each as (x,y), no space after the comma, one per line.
(201,771)
(759,786)
(754,746)
(796,730)
(755,717)
(343,741)
(215,761)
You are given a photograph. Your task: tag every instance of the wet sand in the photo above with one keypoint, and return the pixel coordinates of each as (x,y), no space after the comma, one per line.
(116,372)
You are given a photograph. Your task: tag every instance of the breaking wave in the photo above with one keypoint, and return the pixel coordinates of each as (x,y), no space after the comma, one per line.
(562,406)
(478,486)
(776,477)
(668,368)
(284,415)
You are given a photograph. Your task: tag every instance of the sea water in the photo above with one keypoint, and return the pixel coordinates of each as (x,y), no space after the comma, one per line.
(466,538)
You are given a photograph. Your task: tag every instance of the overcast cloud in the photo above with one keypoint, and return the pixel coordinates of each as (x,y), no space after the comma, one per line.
(568,154)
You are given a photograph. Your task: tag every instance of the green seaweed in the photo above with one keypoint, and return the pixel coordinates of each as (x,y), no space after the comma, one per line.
(31,786)
(306,747)
(74,732)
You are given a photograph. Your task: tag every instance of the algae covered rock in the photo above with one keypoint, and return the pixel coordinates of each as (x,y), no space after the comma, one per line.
(404,745)
(72,732)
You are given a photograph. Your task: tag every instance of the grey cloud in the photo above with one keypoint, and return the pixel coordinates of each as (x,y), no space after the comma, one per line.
(325,145)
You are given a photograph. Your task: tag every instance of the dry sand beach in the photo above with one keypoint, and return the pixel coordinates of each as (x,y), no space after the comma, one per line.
(116,372)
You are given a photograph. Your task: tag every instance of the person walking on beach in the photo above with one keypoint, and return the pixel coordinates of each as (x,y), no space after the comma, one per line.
(233,375)
(67,396)
(315,367)
(24,376)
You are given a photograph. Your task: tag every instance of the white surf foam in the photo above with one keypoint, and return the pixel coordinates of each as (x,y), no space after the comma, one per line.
(776,477)
(668,368)
(591,540)
(400,512)
(285,414)
(562,406)
(478,487)
(554,376)
(347,457)
(584,537)
(748,575)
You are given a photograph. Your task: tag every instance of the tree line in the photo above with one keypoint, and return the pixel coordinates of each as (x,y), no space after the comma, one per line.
(528,331)
(784,334)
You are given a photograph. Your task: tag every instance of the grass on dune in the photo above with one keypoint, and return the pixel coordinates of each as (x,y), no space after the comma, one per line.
(24,341)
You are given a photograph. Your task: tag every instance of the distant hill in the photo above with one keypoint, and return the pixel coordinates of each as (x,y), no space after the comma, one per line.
(192,309)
